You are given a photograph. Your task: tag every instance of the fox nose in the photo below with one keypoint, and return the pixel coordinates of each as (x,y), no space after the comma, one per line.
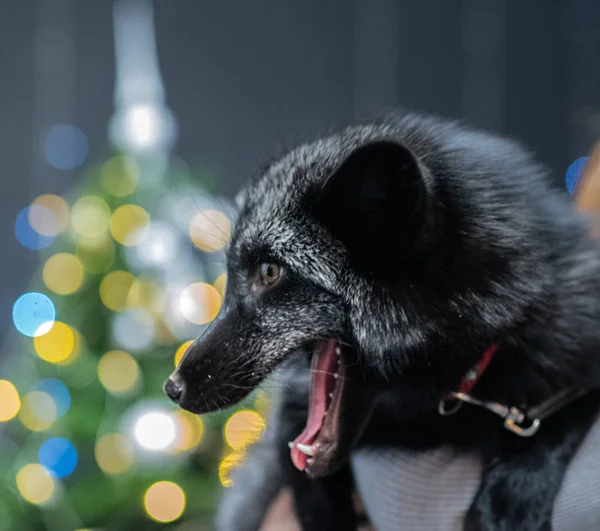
(174,388)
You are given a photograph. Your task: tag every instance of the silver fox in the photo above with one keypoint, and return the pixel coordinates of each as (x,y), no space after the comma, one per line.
(369,272)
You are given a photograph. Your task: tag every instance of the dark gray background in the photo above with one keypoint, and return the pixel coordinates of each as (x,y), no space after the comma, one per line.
(246,78)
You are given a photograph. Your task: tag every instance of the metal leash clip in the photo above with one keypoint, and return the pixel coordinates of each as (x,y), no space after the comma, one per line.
(513,416)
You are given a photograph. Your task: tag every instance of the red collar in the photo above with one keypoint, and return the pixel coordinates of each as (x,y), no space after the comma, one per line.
(472,377)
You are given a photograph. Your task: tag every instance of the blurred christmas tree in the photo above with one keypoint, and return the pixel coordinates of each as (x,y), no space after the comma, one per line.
(132,269)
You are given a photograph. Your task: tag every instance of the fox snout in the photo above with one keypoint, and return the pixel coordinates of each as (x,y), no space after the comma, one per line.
(217,370)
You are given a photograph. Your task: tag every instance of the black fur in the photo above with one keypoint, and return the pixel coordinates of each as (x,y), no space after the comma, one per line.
(419,243)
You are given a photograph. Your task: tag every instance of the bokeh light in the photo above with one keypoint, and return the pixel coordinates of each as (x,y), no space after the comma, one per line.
(243,428)
(114,453)
(114,289)
(200,303)
(35,483)
(119,175)
(59,209)
(57,344)
(26,235)
(190,430)
(10,402)
(63,273)
(97,254)
(164,501)
(42,220)
(220,284)
(227,466)
(159,247)
(66,147)
(118,371)
(574,172)
(58,456)
(129,225)
(59,393)
(210,230)
(181,351)
(38,411)
(33,314)
(155,430)
(144,294)
(90,216)
(134,330)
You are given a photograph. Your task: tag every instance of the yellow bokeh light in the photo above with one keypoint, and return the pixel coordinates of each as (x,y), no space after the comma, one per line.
(114,453)
(144,294)
(182,350)
(227,465)
(114,289)
(129,224)
(10,403)
(119,175)
(243,428)
(57,344)
(190,430)
(38,411)
(200,303)
(164,501)
(35,484)
(220,284)
(118,371)
(96,254)
(63,273)
(59,210)
(90,216)
(210,230)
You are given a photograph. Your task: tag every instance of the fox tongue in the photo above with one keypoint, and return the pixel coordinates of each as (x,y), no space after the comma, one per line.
(324,364)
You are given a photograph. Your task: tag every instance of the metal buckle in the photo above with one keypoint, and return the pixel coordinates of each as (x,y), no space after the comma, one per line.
(514,420)
(513,417)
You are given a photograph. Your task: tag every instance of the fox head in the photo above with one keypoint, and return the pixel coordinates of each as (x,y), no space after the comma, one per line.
(404,247)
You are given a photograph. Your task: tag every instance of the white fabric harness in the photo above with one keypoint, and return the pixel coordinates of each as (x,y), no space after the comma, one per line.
(404,491)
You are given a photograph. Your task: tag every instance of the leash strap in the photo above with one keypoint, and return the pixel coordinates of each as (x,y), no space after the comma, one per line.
(554,403)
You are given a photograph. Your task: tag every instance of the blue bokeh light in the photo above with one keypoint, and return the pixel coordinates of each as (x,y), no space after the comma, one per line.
(66,147)
(574,174)
(58,391)
(58,456)
(31,311)
(26,235)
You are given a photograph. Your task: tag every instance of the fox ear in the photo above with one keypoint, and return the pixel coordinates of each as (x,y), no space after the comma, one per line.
(376,204)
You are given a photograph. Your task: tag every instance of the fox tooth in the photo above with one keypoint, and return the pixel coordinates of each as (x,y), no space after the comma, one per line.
(338,350)
(305,449)
(336,375)
(330,395)
(291,445)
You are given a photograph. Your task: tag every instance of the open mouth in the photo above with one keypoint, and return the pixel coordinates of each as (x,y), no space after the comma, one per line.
(316,447)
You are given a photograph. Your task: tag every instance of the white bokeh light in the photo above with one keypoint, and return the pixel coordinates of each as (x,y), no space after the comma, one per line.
(155,430)
(142,125)
(143,128)
(134,330)
(160,247)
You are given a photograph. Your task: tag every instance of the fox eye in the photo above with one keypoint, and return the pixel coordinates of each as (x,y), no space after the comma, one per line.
(270,273)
